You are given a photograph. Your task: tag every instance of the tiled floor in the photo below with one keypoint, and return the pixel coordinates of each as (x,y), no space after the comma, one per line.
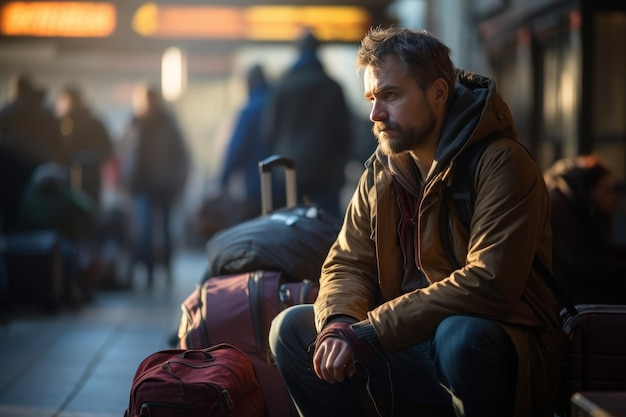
(81,364)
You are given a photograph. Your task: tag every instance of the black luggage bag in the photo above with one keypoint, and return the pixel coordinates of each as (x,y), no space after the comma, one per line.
(294,240)
(39,269)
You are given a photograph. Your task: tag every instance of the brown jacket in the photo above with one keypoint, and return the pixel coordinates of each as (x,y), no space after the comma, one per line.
(363,271)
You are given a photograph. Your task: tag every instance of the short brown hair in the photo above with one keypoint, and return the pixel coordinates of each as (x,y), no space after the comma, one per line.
(423,56)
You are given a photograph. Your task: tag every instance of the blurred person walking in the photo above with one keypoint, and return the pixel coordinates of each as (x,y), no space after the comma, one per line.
(308,120)
(29,136)
(247,145)
(587,262)
(27,124)
(86,142)
(86,148)
(155,168)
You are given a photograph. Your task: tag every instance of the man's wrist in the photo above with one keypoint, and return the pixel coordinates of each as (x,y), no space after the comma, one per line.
(361,350)
(340,318)
(364,330)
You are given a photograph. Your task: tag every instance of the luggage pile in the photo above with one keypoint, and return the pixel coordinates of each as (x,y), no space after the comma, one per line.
(257,268)
(261,266)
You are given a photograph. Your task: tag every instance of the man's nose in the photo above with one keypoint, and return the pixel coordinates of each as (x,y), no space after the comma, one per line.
(378,113)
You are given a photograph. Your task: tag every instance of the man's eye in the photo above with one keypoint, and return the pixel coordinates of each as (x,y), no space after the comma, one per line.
(389,95)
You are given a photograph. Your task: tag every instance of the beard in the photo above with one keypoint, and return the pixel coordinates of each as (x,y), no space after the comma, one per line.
(394,139)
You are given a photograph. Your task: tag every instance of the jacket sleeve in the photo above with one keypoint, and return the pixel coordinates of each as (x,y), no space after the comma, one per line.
(348,282)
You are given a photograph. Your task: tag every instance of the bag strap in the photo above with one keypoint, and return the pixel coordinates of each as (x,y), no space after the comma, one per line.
(255,297)
(558,290)
(462,191)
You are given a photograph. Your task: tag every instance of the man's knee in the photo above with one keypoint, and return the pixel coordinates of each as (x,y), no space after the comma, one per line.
(463,340)
(476,362)
(292,325)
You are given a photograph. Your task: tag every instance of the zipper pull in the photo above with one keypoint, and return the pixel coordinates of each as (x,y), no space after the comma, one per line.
(228,400)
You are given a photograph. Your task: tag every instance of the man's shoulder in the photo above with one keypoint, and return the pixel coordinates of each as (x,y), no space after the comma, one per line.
(305,77)
(490,145)
(506,147)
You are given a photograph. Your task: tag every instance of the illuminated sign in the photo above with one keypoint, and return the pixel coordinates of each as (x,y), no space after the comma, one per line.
(160,21)
(285,22)
(191,21)
(63,19)
(268,22)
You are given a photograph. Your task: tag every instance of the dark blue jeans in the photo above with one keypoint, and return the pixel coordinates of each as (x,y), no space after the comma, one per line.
(152,225)
(469,367)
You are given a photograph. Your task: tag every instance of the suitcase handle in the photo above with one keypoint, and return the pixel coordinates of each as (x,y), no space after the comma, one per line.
(265,170)
(270,162)
(188,354)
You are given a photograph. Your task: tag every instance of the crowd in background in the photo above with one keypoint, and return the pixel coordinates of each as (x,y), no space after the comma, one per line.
(56,154)
(53,158)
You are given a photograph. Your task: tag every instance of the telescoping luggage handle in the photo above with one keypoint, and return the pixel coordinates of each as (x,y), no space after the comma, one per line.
(265,170)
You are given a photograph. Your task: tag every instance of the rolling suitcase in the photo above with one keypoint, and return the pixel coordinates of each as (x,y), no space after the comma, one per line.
(238,310)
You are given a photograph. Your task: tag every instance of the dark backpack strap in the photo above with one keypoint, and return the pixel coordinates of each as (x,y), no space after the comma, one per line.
(558,290)
(462,191)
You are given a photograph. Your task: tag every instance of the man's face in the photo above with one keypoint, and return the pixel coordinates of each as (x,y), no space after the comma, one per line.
(404,118)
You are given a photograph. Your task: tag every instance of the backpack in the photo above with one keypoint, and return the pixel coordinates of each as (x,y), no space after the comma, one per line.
(219,380)
(463,195)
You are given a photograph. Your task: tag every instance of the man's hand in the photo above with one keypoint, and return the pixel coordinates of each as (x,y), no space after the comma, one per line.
(332,360)
(337,350)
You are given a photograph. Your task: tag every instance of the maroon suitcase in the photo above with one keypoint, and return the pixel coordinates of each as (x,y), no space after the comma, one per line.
(597,348)
(238,309)
(216,381)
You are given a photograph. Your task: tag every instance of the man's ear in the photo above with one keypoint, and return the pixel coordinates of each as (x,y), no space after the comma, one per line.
(439,93)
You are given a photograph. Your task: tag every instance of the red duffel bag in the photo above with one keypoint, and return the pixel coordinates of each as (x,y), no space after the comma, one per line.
(216,381)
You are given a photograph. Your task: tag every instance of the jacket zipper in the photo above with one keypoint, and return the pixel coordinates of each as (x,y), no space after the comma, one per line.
(418,230)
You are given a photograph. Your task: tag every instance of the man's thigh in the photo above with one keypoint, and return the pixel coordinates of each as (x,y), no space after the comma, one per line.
(408,376)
